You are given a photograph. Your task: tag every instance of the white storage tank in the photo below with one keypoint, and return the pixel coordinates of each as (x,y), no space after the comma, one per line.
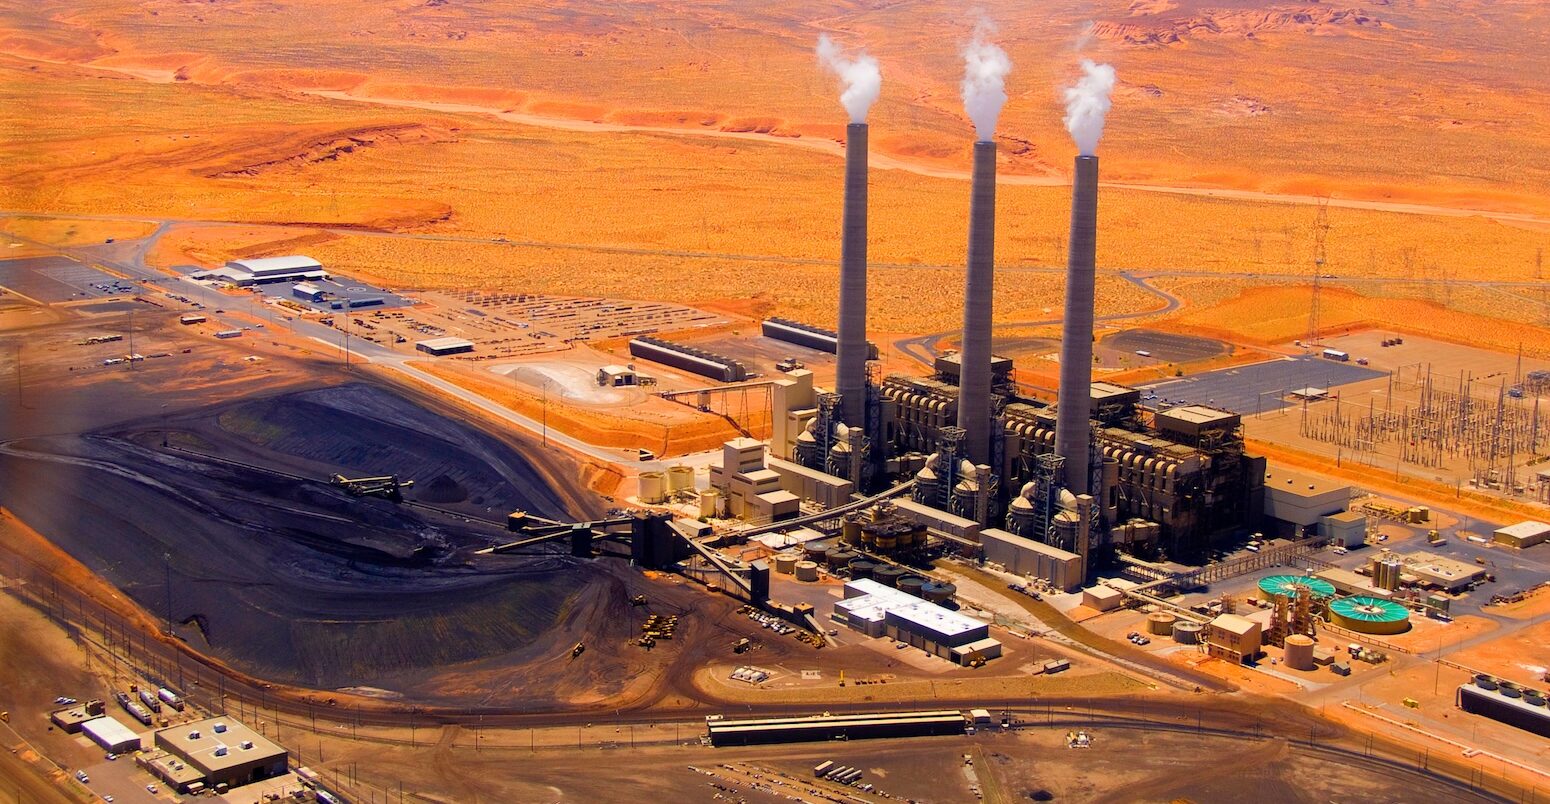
(710,499)
(1186,632)
(653,487)
(680,478)
(1299,652)
(807,570)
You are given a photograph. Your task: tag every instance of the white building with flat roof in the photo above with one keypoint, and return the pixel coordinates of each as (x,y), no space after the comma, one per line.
(111,735)
(878,610)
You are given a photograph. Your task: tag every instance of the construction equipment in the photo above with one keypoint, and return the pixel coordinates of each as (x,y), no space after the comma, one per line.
(388,487)
(742,645)
(576,651)
(638,600)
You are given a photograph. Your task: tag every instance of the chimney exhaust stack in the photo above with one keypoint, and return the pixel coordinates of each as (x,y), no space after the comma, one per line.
(850,378)
(1073,428)
(978,302)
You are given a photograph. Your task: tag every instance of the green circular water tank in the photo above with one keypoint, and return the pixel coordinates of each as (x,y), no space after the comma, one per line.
(1370,615)
(1288,585)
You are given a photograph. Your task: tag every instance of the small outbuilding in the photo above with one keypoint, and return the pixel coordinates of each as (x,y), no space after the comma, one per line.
(616,376)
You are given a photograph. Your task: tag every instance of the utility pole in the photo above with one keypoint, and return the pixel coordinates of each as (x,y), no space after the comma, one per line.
(1320,232)
(167,559)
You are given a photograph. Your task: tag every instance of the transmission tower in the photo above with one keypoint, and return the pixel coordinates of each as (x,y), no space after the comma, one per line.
(1320,231)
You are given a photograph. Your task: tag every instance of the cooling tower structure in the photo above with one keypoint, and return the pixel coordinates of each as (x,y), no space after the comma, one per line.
(1073,430)
(979,290)
(851,373)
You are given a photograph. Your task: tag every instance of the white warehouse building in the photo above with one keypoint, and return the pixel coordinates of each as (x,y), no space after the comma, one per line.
(878,610)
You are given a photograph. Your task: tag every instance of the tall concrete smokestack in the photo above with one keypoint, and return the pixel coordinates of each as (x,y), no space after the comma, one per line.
(850,379)
(1073,429)
(979,289)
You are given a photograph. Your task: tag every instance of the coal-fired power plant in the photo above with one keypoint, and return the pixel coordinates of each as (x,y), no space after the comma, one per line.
(1073,428)
(987,468)
(850,374)
(978,300)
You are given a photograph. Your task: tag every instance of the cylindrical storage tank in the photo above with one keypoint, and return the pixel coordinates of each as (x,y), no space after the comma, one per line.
(1485,682)
(938,591)
(1370,615)
(817,549)
(913,584)
(786,563)
(850,532)
(839,558)
(807,570)
(1160,623)
(653,487)
(1510,691)
(680,478)
(710,499)
(1299,652)
(885,540)
(1186,632)
(861,568)
(888,574)
(1533,698)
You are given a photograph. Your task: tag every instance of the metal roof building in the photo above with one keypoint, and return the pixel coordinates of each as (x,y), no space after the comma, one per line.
(877,610)
(276,266)
(444,346)
(111,735)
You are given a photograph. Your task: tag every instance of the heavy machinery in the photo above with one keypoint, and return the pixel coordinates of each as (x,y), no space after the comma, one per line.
(638,600)
(742,645)
(576,651)
(388,487)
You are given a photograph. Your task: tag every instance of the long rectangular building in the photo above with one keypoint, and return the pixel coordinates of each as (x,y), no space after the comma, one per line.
(823,340)
(688,358)
(834,727)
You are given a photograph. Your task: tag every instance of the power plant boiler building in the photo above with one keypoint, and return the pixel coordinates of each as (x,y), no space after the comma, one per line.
(1093,473)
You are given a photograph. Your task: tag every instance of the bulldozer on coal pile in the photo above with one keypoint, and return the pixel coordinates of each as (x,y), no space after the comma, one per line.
(638,600)
(576,651)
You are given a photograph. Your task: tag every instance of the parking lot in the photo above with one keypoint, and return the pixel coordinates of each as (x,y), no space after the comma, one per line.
(51,280)
(1260,386)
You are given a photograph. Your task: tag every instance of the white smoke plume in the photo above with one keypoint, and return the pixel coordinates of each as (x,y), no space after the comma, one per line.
(984,75)
(1087,102)
(860,77)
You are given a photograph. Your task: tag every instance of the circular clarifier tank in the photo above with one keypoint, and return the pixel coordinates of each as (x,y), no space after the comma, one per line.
(1288,586)
(1369,615)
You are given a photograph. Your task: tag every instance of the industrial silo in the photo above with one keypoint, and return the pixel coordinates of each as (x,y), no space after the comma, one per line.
(912,584)
(1299,652)
(807,570)
(1160,623)
(680,478)
(653,487)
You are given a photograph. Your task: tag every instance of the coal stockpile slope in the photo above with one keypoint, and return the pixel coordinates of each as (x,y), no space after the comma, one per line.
(291,579)
(363,430)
